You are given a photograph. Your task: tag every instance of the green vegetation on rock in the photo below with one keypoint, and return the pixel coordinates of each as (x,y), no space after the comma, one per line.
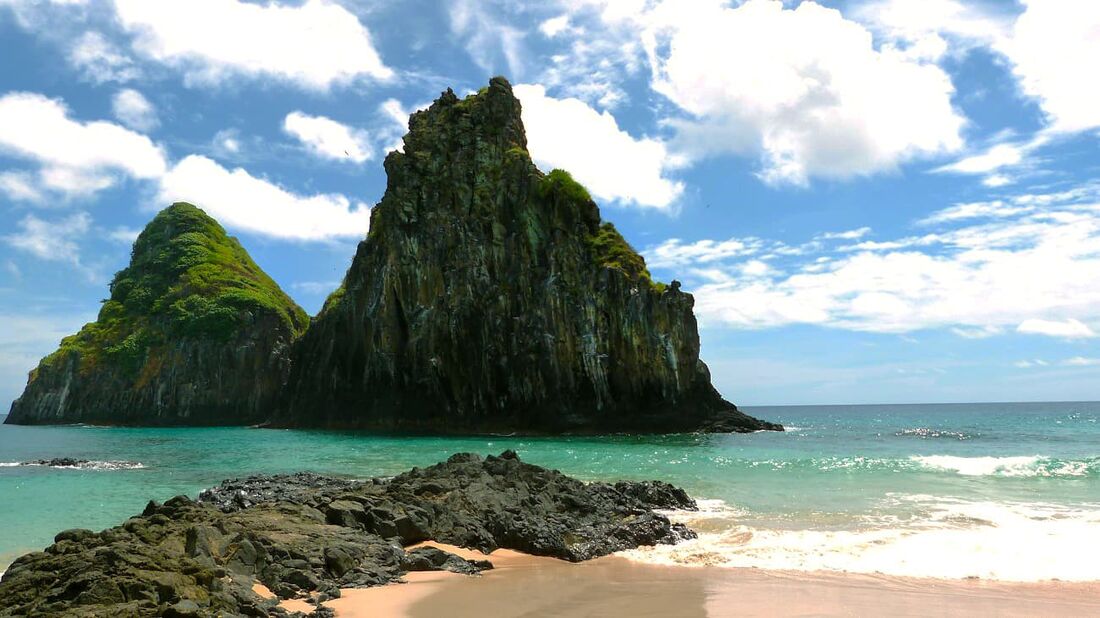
(613,251)
(560,182)
(187,280)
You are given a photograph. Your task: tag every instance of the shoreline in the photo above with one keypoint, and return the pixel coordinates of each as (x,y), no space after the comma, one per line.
(525,585)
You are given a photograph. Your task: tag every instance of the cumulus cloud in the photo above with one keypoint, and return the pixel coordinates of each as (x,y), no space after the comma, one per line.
(805,87)
(1031,270)
(1054,48)
(75,158)
(316,45)
(569,134)
(134,110)
(327,138)
(242,201)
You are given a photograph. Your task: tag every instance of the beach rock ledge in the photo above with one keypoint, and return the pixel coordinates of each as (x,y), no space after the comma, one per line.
(308,536)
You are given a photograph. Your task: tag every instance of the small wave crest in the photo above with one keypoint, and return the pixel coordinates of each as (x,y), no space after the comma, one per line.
(77,464)
(929,433)
(952,539)
(1020,466)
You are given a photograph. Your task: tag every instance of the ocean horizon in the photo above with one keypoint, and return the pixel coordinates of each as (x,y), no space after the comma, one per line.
(1001,491)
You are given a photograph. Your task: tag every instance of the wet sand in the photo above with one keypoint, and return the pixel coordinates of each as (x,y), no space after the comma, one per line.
(527,586)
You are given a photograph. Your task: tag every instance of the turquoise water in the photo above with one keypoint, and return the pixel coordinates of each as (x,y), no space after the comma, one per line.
(1007,491)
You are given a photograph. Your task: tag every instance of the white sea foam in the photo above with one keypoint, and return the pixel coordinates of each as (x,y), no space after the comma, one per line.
(953,539)
(83,465)
(1028,465)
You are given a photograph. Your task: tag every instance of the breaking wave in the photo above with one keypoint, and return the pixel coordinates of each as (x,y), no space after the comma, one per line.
(1022,466)
(951,539)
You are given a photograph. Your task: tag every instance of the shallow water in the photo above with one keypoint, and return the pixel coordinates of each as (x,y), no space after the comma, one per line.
(1002,491)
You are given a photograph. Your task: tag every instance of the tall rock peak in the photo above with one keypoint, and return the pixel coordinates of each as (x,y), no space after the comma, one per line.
(489,296)
(194,332)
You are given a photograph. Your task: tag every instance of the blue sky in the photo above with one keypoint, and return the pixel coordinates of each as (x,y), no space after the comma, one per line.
(872,201)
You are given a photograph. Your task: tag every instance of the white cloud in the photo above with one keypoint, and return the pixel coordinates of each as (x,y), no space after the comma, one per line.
(327,138)
(239,200)
(20,187)
(805,87)
(997,180)
(51,240)
(1000,155)
(101,61)
(855,234)
(316,44)
(124,235)
(487,39)
(981,332)
(919,27)
(1054,47)
(395,125)
(975,210)
(1032,271)
(674,252)
(1081,361)
(76,158)
(134,110)
(1067,329)
(568,134)
(554,26)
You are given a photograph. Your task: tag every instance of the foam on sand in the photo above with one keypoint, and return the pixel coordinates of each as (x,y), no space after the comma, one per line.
(953,539)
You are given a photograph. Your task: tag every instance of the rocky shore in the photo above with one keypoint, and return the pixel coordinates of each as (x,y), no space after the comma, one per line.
(306,536)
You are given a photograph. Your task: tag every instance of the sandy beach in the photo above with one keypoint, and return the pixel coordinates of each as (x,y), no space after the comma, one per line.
(524,585)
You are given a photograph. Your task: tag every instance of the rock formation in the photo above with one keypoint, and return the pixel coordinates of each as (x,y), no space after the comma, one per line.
(305,536)
(194,332)
(489,296)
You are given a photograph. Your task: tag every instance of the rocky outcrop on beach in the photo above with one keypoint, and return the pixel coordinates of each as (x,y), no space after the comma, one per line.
(489,296)
(194,333)
(307,536)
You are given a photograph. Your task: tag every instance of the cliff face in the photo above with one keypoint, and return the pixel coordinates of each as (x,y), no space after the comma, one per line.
(194,333)
(489,297)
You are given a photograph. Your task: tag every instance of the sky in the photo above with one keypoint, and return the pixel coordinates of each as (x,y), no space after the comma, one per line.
(873,201)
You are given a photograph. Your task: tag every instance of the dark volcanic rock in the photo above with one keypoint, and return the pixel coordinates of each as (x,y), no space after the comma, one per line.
(308,536)
(489,296)
(194,333)
(84,464)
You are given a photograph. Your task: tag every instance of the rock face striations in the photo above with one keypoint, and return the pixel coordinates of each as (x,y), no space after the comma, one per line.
(489,296)
(193,333)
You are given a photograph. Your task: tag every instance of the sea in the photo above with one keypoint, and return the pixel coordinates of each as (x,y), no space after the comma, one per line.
(1002,491)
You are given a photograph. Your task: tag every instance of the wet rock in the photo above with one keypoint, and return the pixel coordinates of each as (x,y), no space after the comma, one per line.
(303,535)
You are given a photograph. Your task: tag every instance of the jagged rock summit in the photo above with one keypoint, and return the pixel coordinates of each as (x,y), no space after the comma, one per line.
(490,297)
(194,332)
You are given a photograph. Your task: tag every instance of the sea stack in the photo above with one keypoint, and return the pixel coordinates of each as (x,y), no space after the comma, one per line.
(194,333)
(490,297)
